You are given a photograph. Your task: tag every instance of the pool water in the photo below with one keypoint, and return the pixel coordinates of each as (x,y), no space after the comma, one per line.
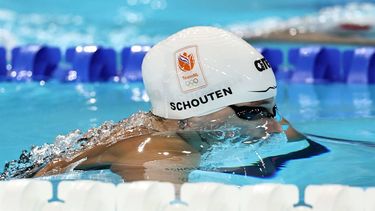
(339,117)
(119,23)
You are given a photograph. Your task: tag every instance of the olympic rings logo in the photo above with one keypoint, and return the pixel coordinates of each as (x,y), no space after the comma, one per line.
(192,82)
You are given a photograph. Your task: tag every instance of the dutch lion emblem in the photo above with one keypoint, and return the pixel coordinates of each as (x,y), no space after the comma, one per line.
(186,61)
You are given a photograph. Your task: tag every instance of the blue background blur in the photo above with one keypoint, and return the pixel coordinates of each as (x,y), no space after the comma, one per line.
(118,23)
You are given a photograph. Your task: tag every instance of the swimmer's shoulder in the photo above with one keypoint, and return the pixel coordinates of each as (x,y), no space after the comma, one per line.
(154,142)
(291,133)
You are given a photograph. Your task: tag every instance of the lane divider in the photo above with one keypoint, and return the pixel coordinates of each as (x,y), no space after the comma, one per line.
(311,64)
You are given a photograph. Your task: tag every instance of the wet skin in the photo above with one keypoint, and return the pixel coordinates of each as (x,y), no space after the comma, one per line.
(165,155)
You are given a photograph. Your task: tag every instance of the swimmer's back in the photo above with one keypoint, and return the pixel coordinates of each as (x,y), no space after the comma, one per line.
(150,151)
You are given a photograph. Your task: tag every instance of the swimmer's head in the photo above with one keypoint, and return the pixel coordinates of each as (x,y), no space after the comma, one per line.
(200,70)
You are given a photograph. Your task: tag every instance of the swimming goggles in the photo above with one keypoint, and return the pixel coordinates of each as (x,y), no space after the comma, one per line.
(253,113)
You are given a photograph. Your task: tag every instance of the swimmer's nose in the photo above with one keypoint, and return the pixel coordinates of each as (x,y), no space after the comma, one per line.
(273,126)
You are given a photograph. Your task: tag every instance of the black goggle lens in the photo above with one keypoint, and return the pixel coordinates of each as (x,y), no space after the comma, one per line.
(253,113)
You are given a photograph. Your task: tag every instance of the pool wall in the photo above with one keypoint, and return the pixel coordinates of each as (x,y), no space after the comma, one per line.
(39,195)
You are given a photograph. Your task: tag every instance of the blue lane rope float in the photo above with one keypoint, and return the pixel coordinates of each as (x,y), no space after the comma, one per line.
(276,59)
(359,65)
(132,58)
(36,62)
(273,56)
(315,64)
(312,64)
(3,70)
(91,63)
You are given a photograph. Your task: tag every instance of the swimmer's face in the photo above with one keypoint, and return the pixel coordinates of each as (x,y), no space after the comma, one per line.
(255,118)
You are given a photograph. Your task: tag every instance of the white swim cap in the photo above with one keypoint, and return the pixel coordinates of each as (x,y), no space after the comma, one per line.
(201,70)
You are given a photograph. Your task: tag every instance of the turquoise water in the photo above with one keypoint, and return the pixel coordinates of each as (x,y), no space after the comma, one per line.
(33,114)
(120,23)
(339,117)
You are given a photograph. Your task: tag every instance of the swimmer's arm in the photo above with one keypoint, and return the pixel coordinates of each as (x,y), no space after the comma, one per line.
(161,157)
(89,158)
(291,133)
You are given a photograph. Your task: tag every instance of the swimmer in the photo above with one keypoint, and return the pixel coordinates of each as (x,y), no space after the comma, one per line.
(206,85)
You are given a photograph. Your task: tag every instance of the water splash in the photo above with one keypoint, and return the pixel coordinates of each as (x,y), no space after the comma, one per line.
(224,147)
(327,20)
(67,146)
(30,161)
(243,150)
